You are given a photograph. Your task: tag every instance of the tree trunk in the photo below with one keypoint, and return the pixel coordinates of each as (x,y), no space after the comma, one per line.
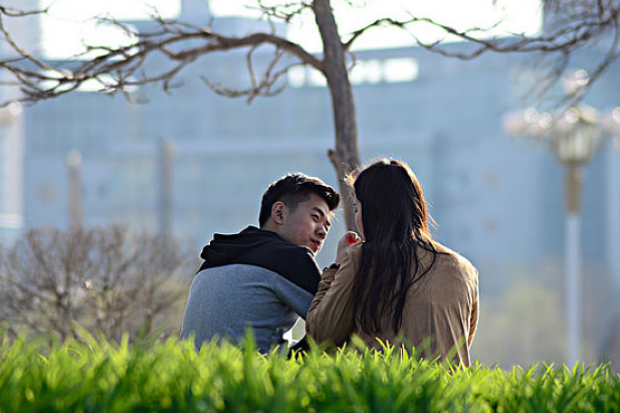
(345,157)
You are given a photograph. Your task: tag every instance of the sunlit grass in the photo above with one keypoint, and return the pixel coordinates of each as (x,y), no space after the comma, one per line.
(95,375)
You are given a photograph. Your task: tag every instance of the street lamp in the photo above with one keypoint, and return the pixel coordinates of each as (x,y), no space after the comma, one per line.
(574,136)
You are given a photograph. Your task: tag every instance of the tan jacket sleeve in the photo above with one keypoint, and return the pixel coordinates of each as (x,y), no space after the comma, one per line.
(473,320)
(330,317)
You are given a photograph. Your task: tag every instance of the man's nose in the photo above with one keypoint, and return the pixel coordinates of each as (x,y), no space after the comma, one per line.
(321,231)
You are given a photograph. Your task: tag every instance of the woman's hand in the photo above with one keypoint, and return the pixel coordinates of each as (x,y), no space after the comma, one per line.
(349,239)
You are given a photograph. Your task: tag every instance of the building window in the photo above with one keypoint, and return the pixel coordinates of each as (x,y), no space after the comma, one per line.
(400,70)
(366,71)
(370,72)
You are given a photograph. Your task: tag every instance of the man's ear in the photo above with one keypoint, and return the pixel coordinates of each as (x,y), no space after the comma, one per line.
(277,212)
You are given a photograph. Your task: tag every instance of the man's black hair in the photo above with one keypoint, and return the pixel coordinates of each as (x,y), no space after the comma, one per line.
(294,189)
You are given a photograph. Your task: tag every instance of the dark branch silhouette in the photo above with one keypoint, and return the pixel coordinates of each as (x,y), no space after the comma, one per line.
(575,25)
(578,23)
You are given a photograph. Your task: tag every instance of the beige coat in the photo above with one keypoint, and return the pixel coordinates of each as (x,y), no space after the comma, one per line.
(440,312)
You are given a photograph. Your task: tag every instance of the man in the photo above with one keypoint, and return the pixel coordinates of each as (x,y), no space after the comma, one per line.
(263,278)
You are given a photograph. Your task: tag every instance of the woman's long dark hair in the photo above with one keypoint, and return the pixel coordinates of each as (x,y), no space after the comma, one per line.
(395,223)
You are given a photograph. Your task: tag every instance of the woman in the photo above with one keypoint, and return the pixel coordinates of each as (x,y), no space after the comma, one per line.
(399,285)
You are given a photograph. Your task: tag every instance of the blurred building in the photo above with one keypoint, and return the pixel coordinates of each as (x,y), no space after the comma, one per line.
(12,132)
(193,163)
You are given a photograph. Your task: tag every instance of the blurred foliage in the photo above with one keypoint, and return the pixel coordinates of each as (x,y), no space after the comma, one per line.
(106,280)
(522,325)
(526,321)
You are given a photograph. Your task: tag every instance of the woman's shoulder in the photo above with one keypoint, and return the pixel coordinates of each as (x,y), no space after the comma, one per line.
(448,256)
(354,252)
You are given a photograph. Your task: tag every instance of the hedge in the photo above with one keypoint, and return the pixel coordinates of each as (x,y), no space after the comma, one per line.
(95,375)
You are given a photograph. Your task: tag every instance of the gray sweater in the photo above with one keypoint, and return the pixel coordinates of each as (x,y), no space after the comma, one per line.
(224,301)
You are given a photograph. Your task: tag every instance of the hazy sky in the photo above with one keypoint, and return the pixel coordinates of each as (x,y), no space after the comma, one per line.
(62,33)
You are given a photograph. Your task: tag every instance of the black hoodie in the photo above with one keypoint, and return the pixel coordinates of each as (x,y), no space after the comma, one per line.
(266,249)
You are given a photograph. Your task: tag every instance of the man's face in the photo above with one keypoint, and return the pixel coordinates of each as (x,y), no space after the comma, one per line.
(307,224)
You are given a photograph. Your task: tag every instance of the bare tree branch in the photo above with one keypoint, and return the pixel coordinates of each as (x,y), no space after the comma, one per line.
(576,25)
(259,87)
(568,37)
(284,12)
(579,22)
(181,43)
(12,12)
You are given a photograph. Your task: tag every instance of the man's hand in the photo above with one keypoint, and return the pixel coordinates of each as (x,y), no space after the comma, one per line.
(349,239)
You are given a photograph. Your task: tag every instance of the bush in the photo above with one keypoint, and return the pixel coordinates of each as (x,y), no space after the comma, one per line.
(99,376)
(104,279)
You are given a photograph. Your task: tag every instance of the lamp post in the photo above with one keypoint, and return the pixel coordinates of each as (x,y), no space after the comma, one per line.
(611,124)
(574,136)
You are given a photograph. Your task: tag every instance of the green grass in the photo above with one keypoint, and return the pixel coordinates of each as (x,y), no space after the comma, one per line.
(99,376)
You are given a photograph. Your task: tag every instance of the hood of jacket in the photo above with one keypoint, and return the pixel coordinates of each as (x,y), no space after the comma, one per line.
(266,249)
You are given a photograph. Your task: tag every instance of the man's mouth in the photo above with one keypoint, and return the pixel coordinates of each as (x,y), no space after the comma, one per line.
(316,245)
